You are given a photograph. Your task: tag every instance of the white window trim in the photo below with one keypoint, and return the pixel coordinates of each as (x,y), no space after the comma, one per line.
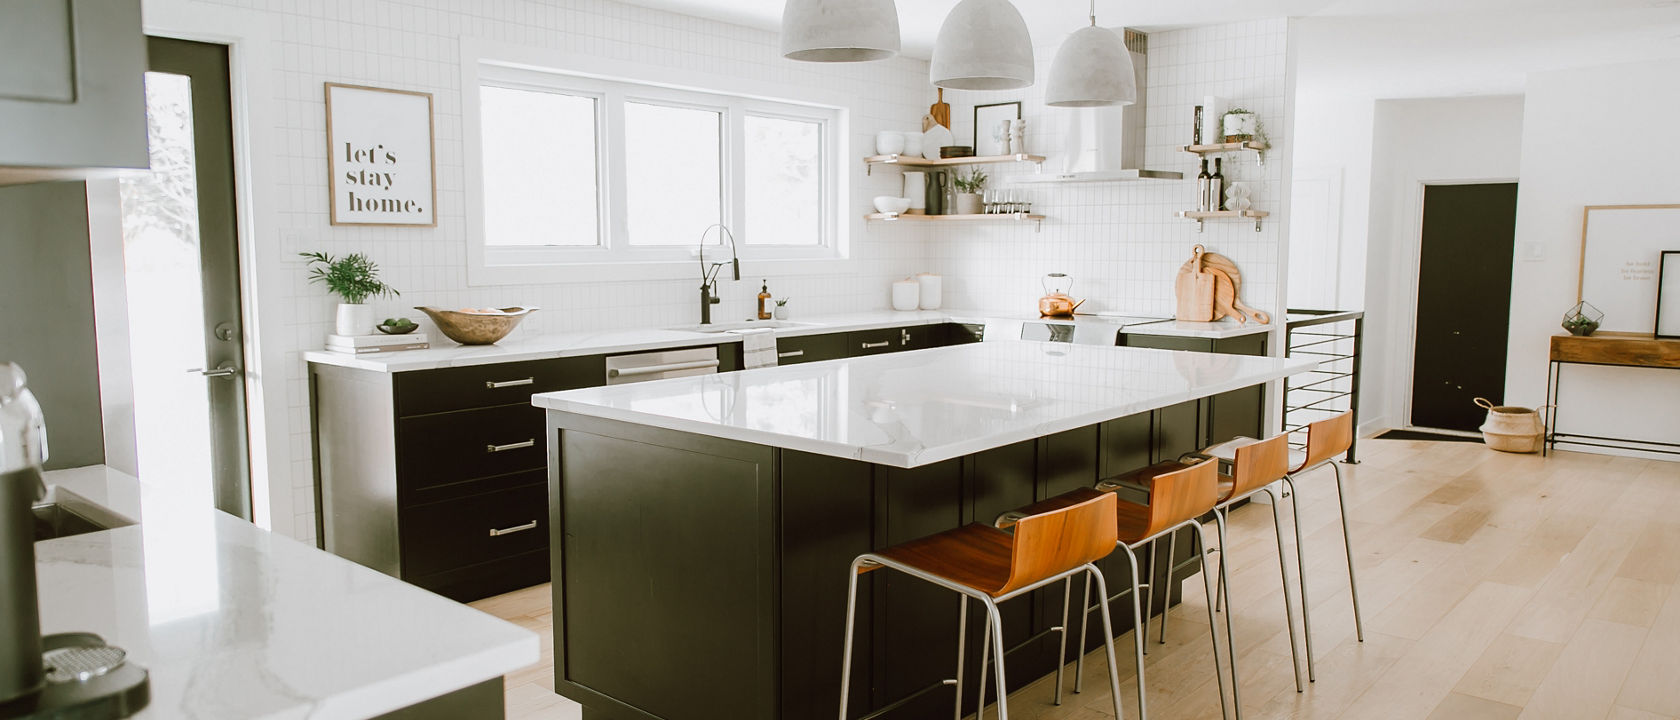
(538,69)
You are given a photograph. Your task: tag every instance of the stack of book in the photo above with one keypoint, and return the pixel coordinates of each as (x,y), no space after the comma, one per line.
(365,344)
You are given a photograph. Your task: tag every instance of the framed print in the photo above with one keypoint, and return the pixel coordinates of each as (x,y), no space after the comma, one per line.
(1620,248)
(1668,295)
(380,169)
(991,136)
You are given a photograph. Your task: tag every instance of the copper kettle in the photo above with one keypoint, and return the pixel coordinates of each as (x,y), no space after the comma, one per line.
(1056,302)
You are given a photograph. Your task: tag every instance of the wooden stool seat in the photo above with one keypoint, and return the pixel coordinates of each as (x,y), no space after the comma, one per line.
(975,556)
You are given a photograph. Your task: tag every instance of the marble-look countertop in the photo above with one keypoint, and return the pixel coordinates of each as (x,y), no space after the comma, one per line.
(912,409)
(232,621)
(445,353)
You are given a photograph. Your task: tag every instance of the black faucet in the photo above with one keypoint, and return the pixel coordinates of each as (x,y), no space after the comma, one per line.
(708,272)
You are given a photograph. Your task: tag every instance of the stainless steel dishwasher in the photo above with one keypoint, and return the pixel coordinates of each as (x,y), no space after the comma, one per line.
(642,367)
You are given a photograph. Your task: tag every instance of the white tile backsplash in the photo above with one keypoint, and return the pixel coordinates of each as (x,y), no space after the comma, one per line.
(1120,242)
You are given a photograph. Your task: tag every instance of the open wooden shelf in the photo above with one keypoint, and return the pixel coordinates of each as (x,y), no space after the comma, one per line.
(979,217)
(1202,215)
(1258,147)
(921,162)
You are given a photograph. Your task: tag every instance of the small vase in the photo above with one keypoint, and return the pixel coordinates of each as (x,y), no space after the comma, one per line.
(1241,127)
(355,319)
(968,204)
(781,312)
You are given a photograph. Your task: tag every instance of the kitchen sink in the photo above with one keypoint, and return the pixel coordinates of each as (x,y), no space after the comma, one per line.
(63,514)
(742,325)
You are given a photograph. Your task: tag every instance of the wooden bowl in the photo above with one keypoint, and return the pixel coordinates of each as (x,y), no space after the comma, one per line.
(476,328)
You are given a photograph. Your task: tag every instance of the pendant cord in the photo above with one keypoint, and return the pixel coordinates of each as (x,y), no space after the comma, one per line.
(1093,13)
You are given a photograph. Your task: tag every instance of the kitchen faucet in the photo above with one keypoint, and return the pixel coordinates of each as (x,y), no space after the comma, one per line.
(708,275)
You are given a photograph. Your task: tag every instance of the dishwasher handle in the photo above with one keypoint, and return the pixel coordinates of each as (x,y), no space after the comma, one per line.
(654,369)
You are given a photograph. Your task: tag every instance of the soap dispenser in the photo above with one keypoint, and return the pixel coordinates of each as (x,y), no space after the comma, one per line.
(764,301)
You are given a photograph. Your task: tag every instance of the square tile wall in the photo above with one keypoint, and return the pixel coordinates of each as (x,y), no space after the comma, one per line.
(1122,241)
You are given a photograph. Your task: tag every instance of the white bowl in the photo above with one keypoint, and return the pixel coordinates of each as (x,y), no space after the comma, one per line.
(891,204)
(888,142)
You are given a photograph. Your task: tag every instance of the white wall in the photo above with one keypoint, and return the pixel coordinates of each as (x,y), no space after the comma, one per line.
(1121,242)
(284,50)
(1418,142)
(1578,126)
(1333,155)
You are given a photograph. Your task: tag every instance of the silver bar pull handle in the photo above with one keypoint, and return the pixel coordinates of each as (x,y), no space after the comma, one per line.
(510,446)
(791,353)
(873,345)
(224,370)
(651,369)
(492,385)
(515,529)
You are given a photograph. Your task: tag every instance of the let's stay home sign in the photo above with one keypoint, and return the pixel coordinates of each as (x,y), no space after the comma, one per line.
(379,154)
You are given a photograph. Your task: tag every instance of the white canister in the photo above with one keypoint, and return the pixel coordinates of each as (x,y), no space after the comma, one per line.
(905,294)
(930,287)
(915,189)
(913,144)
(889,142)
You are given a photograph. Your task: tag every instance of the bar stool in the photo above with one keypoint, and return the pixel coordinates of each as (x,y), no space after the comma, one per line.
(1253,466)
(990,565)
(1326,440)
(1179,494)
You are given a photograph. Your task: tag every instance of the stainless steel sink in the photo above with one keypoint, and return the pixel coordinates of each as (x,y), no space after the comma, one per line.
(63,514)
(742,325)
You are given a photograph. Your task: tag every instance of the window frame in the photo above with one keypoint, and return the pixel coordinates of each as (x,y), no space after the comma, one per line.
(613,253)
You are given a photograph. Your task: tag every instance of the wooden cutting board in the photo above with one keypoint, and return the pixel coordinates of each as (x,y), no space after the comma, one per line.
(1224,296)
(1194,289)
(940,111)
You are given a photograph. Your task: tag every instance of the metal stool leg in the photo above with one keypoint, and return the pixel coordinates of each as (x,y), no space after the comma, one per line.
(1084,620)
(985,659)
(1108,637)
(1213,624)
(997,646)
(1230,632)
(846,655)
(1301,572)
(962,649)
(1347,543)
(1288,601)
(1139,630)
(1061,653)
(1166,604)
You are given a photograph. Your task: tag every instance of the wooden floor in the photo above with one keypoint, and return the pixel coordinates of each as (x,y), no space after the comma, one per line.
(1493,586)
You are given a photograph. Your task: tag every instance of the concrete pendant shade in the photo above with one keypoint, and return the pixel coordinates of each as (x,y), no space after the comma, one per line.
(983,45)
(1092,69)
(839,30)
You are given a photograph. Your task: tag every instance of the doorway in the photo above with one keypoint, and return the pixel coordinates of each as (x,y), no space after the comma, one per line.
(1463,303)
(181,269)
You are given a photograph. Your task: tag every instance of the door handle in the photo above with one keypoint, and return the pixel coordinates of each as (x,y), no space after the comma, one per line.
(493,385)
(873,345)
(652,369)
(791,353)
(511,530)
(223,370)
(510,446)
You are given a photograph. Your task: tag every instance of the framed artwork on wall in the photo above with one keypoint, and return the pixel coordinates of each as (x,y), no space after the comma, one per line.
(990,133)
(1668,295)
(380,167)
(1621,247)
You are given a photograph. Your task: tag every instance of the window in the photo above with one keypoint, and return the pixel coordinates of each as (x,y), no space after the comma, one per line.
(581,171)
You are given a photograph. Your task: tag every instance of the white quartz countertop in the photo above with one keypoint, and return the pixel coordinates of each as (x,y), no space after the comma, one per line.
(915,408)
(445,353)
(232,621)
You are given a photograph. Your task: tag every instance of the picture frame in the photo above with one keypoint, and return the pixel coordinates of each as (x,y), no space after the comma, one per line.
(1668,296)
(1621,246)
(381,156)
(986,119)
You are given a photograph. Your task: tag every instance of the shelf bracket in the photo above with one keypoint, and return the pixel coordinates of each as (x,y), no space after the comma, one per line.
(1256,224)
(1199,224)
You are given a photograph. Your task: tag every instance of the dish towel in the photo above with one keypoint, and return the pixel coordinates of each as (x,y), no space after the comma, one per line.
(758,348)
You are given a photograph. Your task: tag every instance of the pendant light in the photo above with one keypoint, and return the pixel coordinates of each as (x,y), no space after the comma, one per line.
(983,45)
(1092,69)
(839,30)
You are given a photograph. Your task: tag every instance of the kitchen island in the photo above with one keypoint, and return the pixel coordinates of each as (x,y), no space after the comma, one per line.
(701,528)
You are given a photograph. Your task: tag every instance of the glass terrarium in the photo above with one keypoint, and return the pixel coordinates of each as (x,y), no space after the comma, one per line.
(1582,319)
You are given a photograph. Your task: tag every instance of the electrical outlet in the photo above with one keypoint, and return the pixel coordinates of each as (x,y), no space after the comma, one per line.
(1533,251)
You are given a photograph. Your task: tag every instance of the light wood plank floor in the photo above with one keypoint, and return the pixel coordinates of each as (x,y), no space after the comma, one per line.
(1493,586)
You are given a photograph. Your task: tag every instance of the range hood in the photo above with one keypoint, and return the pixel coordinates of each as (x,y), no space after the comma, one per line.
(1103,144)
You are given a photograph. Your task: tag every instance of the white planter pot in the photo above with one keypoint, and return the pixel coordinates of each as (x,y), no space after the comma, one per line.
(781,312)
(355,319)
(1241,126)
(969,204)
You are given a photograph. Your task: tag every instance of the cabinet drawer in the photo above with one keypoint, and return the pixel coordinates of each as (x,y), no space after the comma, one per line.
(921,337)
(873,342)
(489,579)
(451,447)
(1167,342)
(420,392)
(456,533)
(810,348)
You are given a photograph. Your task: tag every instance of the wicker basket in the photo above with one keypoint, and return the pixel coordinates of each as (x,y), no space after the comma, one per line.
(1512,429)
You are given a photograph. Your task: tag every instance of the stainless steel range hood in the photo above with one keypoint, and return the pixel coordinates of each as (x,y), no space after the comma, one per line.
(1103,144)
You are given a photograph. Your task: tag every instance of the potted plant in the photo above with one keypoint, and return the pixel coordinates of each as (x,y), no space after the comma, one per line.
(353,278)
(1240,125)
(781,308)
(968,192)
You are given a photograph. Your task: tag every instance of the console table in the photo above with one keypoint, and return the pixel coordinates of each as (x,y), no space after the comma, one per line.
(1606,348)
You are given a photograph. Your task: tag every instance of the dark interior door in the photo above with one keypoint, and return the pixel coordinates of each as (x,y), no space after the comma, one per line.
(1464,303)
